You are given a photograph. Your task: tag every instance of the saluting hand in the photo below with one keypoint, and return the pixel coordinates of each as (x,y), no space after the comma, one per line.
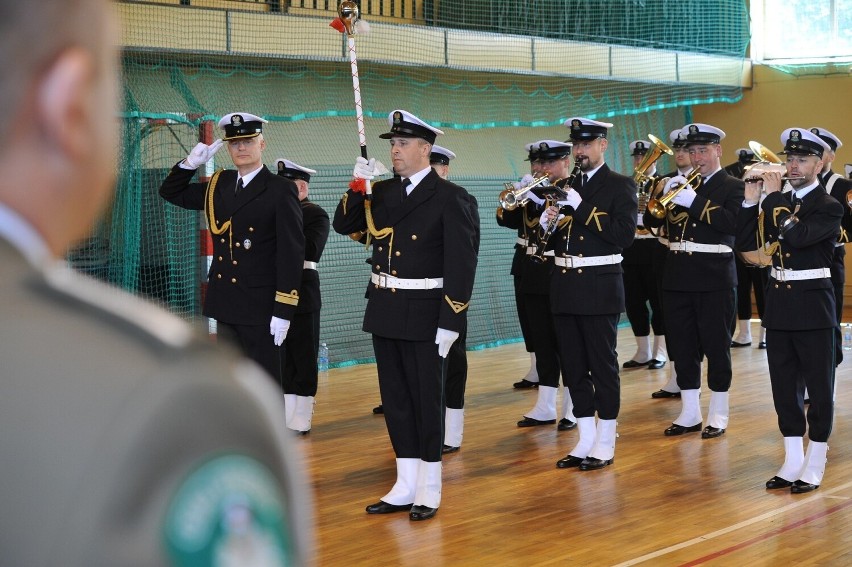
(202,153)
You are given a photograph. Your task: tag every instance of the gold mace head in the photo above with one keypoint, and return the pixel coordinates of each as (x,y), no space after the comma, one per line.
(348,13)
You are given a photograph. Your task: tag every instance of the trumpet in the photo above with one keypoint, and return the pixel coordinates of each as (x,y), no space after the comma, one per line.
(511,198)
(538,256)
(754,173)
(659,207)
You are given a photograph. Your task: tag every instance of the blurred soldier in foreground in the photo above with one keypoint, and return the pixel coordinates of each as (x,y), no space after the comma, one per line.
(117,419)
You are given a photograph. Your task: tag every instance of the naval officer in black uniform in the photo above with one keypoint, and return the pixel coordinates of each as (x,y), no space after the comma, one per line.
(525,226)
(440,159)
(424,261)
(587,289)
(299,374)
(699,280)
(799,230)
(640,277)
(838,187)
(117,418)
(258,245)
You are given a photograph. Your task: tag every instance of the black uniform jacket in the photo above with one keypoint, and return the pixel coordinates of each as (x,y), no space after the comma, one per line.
(803,304)
(534,277)
(712,219)
(839,189)
(258,244)
(603,224)
(433,236)
(316,225)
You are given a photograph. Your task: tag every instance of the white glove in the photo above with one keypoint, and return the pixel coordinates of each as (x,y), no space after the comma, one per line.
(674,182)
(202,153)
(445,339)
(364,169)
(525,180)
(572,199)
(685,197)
(278,329)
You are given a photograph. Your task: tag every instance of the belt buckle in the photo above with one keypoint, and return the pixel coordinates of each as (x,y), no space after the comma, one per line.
(383,280)
(783,277)
(569,263)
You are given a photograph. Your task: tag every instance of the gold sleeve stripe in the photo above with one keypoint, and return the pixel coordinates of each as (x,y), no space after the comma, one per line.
(594,216)
(291,298)
(456,306)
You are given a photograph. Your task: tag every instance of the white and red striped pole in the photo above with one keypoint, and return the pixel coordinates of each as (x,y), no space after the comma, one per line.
(205,135)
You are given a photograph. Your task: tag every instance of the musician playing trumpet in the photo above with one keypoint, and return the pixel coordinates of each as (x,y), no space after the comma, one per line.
(699,278)
(553,159)
(799,230)
(595,220)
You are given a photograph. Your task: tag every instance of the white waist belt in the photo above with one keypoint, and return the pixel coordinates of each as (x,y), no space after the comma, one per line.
(794,275)
(522,241)
(641,236)
(533,249)
(386,281)
(698,247)
(839,244)
(308,265)
(577,262)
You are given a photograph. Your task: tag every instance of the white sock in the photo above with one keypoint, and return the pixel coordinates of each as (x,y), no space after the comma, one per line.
(643,349)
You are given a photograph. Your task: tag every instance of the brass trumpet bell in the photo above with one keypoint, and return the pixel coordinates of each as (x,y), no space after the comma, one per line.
(511,198)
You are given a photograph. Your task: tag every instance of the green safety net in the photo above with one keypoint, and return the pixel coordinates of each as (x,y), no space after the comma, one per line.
(488,73)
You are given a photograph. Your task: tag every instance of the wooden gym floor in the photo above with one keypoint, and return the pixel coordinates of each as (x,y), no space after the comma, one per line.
(665,501)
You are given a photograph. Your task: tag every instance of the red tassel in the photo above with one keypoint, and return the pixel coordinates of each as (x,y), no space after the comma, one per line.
(358,185)
(338,25)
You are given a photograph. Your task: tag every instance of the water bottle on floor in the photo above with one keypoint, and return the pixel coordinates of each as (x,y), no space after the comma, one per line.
(847,336)
(322,358)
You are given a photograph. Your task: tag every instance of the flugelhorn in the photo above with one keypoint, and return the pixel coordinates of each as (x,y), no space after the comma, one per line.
(659,207)
(511,198)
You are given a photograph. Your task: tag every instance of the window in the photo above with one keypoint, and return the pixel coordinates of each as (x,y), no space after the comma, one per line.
(801,30)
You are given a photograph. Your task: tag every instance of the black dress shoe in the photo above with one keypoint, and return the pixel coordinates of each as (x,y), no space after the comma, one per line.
(569,462)
(761,345)
(382,507)
(422,513)
(635,364)
(593,464)
(656,364)
(379,409)
(676,429)
(525,384)
(446,449)
(665,394)
(566,424)
(777,482)
(530,422)
(801,487)
(735,344)
(711,432)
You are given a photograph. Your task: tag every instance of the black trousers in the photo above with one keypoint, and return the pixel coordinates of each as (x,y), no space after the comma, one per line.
(411,381)
(256,343)
(640,290)
(300,374)
(699,324)
(457,372)
(749,277)
(838,280)
(543,338)
(799,359)
(590,363)
(522,315)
